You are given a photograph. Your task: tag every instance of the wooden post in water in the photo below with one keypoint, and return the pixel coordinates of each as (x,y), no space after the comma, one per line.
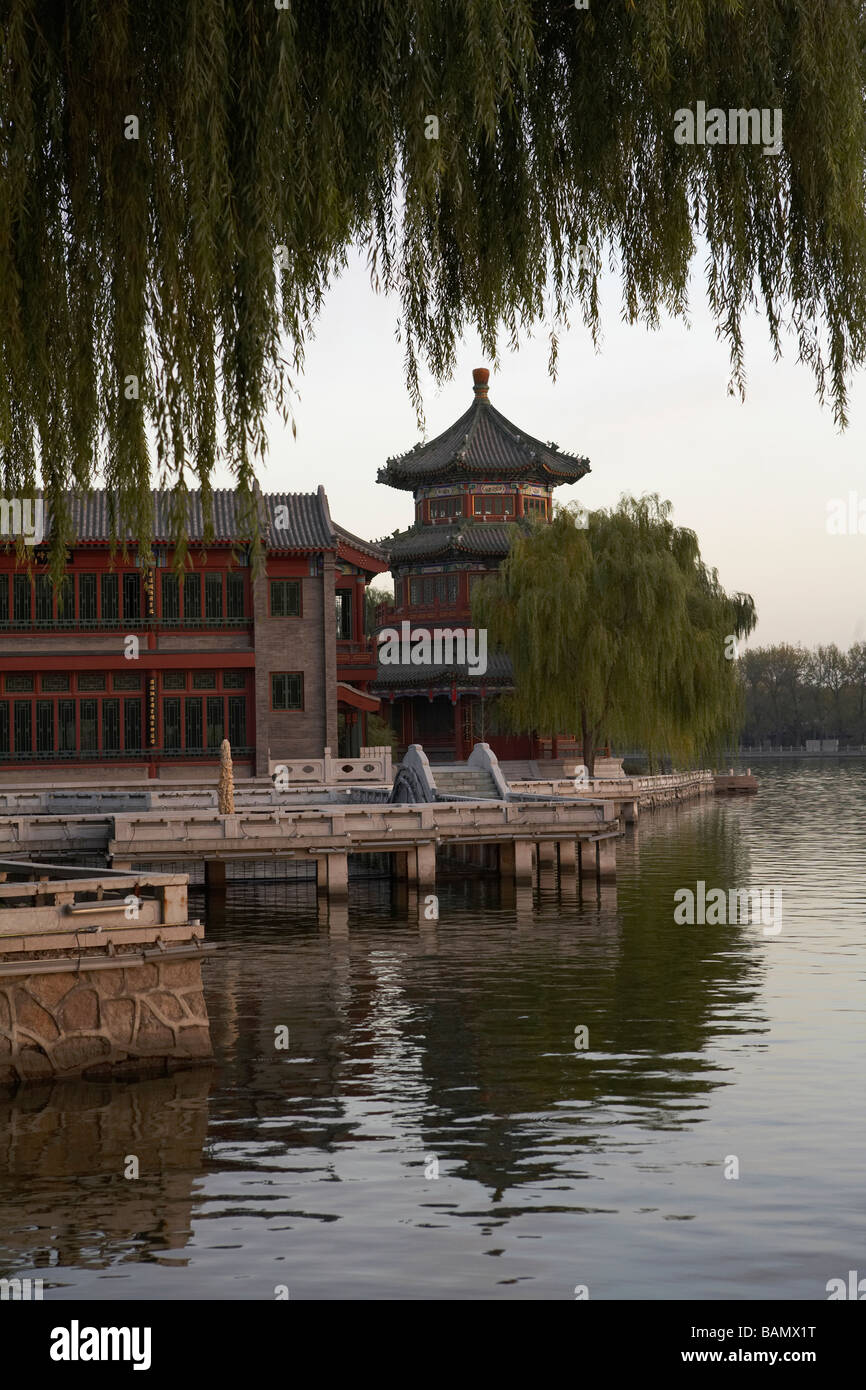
(215,875)
(588,859)
(607,859)
(425,866)
(567,856)
(332,874)
(517,860)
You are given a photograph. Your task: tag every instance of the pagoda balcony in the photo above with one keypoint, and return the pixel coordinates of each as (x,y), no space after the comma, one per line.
(354,650)
(422,614)
(356,661)
(141,624)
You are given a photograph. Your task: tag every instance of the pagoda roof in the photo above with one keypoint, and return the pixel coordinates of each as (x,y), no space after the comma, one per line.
(499,673)
(461,537)
(482,444)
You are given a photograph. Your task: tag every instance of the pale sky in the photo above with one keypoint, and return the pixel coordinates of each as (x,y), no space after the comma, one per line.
(650,411)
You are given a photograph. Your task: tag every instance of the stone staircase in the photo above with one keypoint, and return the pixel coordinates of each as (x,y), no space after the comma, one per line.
(536,770)
(458,779)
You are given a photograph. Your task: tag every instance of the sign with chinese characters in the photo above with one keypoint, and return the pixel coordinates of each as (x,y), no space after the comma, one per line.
(42,555)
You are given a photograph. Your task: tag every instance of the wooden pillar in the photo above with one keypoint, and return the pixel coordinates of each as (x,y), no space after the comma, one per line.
(568,871)
(546,854)
(215,875)
(567,855)
(607,859)
(458,729)
(588,855)
(332,874)
(425,867)
(400,865)
(522,861)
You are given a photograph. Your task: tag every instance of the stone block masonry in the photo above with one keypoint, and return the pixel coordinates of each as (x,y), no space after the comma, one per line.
(128,1019)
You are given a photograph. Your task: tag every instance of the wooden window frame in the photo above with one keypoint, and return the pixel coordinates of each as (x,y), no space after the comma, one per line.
(300,589)
(287,709)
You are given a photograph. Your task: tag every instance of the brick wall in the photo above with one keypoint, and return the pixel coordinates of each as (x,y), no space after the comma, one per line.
(308,645)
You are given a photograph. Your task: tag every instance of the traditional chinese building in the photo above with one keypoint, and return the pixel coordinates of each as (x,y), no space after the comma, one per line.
(472,486)
(132,664)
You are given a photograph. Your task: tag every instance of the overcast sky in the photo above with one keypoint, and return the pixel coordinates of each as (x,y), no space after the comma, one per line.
(650,411)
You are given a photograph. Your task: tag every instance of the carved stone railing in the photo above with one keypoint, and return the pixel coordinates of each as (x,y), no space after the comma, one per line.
(372,765)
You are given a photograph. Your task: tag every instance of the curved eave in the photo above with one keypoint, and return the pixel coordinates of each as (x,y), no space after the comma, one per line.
(420,680)
(499,675)
(483,541)
(483,443)
(456,471)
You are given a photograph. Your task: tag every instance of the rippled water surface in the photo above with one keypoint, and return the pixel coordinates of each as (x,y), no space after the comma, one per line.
(417,1045)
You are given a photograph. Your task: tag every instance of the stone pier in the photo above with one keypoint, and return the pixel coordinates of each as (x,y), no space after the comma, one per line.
(100,975)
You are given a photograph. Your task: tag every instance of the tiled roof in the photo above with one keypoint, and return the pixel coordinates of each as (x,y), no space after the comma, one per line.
(499,673)
(305,521)
(367,547)
(464,537)
(482,443)
(290,520)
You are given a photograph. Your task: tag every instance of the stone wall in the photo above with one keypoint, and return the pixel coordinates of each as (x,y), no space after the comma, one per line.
(122,1020)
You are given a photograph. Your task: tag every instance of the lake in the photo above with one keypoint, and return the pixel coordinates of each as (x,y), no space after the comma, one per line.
(436,1127)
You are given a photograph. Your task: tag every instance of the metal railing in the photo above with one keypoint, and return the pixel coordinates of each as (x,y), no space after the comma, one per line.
(349,647)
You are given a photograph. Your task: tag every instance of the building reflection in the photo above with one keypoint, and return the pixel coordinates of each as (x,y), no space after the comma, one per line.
(407,1036)
(64,1153)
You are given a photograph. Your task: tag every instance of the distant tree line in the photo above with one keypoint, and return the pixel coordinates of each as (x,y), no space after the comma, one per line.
(793,693)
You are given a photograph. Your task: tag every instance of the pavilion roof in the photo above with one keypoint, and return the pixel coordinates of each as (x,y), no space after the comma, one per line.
(499,673)
(465,537)
(483,444)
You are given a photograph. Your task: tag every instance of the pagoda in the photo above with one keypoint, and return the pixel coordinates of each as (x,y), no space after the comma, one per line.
(475,486)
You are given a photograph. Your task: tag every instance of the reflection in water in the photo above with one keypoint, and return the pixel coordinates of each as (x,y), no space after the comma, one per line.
(64,1150)
(413,1038)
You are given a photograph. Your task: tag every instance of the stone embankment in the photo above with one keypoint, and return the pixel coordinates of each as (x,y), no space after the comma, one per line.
(100,974)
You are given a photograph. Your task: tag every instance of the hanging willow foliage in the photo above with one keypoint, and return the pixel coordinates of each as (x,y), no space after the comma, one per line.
(180,180)
(617,630)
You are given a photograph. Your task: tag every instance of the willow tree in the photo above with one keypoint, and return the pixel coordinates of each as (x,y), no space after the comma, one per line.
(617,629)
(180,182)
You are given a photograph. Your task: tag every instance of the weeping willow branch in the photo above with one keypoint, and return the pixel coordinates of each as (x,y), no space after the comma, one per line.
(180,183)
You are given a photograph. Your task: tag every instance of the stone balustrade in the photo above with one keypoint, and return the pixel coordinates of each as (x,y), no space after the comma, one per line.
(372,765)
